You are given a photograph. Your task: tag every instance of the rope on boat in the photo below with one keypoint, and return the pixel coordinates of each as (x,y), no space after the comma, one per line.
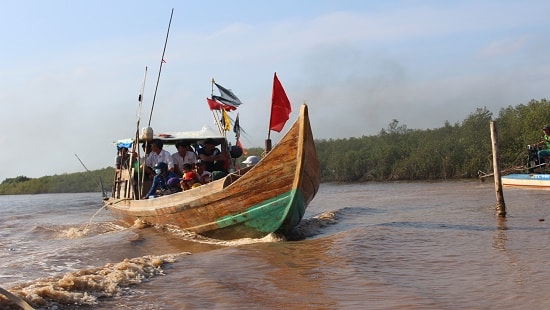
(120,200)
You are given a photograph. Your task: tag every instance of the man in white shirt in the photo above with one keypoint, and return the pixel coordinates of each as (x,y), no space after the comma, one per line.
(184,155)
(159,155)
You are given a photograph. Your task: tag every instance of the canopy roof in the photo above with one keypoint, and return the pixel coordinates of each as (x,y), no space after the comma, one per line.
(173,137)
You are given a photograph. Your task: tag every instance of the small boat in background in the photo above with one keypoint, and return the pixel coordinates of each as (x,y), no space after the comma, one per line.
(533,174)
(533,180)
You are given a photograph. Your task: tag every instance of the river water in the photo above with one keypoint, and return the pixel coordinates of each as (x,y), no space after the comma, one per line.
(366,246)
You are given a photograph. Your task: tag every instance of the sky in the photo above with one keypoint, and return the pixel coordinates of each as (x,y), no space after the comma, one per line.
(71,71)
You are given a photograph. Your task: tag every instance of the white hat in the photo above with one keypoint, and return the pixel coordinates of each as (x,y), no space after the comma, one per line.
(251,160)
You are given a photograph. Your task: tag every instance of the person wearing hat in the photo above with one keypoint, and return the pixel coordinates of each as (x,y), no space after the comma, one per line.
(160,181)
(190,180)
(544,154)
(251,161)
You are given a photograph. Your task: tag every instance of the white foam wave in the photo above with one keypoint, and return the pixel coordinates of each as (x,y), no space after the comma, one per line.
(85,287)
(307,228)
(72,232)
(313,226)
(191,236)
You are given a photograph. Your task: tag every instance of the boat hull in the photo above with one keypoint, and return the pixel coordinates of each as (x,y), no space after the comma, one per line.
(532,180)
(270,197)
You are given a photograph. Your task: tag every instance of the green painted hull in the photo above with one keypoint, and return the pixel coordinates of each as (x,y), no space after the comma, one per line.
(278,214)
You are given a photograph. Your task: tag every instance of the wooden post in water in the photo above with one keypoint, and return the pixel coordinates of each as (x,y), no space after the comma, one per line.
(501,206)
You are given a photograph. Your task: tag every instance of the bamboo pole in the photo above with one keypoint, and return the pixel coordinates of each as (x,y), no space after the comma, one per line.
(160,68)
(501,206)
(138,188)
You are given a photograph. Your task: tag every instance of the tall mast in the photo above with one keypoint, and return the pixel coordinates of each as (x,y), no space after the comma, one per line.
(160,68)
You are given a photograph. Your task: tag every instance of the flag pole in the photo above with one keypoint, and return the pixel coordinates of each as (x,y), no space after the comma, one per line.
(160,68)
(270,118)
(214,115)
(267,146)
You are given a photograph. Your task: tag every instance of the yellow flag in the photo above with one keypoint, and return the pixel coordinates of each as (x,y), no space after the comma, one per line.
(226,123)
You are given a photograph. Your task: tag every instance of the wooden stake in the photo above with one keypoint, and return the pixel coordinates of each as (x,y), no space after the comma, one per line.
(501,206)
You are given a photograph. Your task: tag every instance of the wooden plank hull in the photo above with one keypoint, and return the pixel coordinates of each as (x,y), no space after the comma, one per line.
(532,180)
(270,197)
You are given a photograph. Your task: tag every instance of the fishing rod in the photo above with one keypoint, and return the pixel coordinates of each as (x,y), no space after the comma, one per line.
(100,184)
(160,68)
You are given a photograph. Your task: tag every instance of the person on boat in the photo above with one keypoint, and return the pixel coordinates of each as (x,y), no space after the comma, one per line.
(186,168)
(122,160)
(204,176)
(213,158)
(173,185)
(544,154)
(136,172)
(190,180)
(184,155)
(149,173)
(251,161)
(160,180)
(158,155)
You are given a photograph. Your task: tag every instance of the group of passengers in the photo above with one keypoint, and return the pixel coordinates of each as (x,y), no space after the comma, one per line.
(187,168)
(183,170)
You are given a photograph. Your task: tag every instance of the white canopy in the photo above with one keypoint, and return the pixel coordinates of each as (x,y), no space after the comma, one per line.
(169,137)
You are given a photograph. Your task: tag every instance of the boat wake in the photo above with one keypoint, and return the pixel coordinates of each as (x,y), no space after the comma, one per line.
(72,232)
(306,229)
(313,226)
(191,236)
(86,286)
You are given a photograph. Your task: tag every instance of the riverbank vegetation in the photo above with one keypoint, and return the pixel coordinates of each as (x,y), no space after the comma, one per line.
(452,151)
(80,182)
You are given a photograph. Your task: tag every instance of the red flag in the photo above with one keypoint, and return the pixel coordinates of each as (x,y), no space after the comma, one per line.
(213,104)
(280,106)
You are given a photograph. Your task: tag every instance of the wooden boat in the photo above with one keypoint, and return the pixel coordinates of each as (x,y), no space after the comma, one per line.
(271,196)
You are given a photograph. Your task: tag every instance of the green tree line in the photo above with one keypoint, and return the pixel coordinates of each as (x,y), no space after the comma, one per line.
(452,151)
(80,182)
(459,150)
